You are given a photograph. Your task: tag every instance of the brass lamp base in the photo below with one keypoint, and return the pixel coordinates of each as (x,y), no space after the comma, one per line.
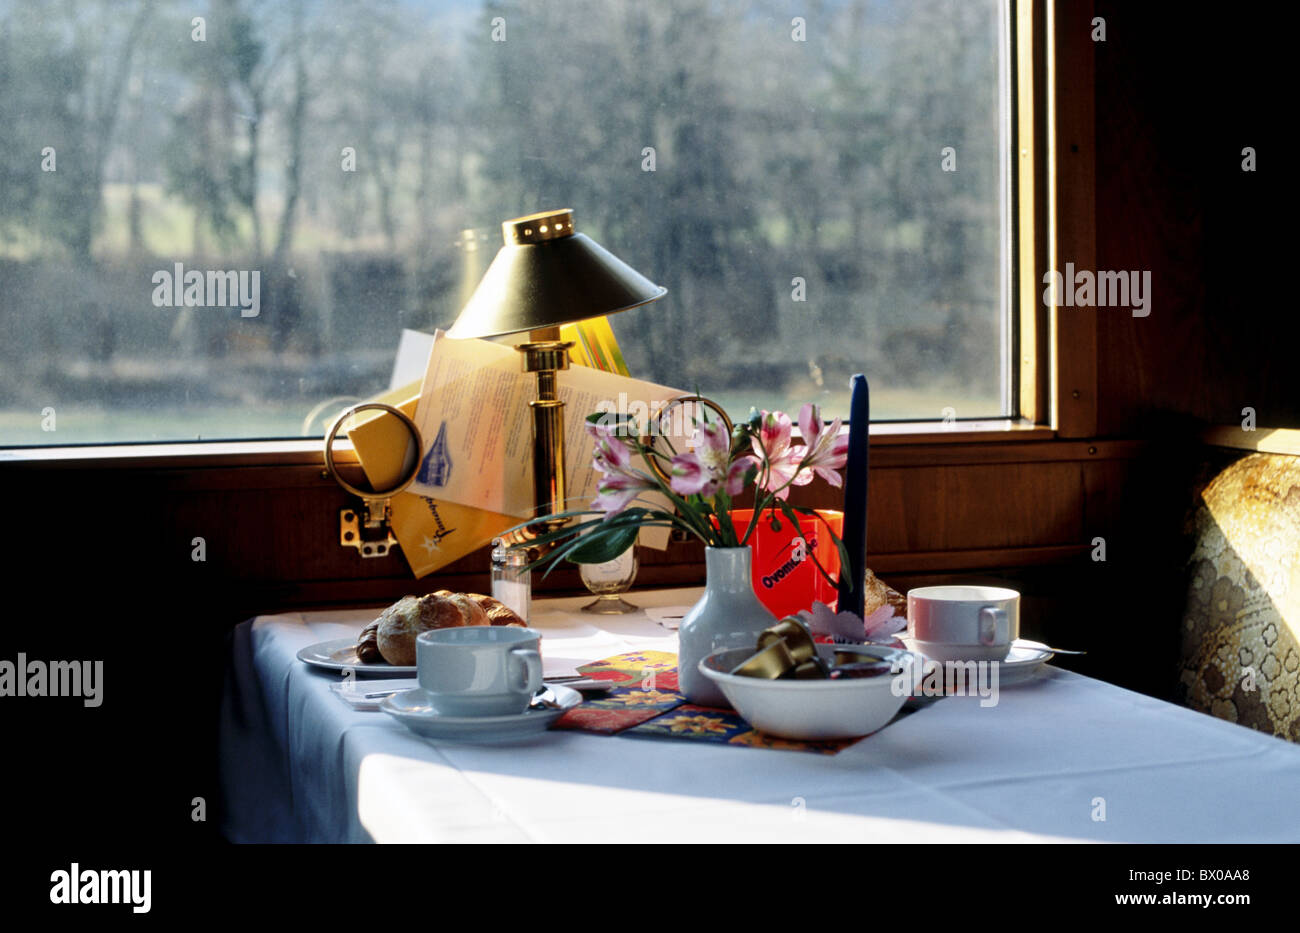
(546,354)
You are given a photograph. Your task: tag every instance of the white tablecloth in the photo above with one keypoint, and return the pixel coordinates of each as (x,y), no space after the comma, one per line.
(1045,763)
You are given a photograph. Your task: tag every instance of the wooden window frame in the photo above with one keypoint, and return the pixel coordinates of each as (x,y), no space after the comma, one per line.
(1055,210)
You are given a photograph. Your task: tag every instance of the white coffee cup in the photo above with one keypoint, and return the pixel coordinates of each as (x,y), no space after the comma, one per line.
(963,623)
(479,670)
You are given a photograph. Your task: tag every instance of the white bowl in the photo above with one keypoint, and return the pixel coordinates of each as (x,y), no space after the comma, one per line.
(812,710)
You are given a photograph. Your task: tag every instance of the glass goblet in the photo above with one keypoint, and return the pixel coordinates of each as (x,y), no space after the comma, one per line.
(607,581)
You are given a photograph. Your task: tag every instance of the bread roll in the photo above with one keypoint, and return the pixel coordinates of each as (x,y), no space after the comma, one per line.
(879,593)
(401,622)
(391,637)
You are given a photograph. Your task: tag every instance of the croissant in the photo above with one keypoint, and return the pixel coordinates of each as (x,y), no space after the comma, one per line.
(368,644)
(498,613)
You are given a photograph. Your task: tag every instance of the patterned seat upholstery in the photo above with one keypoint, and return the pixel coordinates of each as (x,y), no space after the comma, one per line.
(1241,626)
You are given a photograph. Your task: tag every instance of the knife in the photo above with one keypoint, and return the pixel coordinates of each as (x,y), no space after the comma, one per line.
(587,684)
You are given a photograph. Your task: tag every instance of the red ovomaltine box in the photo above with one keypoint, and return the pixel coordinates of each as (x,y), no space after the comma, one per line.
(785,578)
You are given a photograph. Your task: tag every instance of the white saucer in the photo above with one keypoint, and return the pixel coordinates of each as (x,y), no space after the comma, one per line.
(1022,662)
(412,709)
(340,654)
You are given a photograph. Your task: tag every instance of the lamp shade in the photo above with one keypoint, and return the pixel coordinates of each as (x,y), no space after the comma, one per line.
(546,275)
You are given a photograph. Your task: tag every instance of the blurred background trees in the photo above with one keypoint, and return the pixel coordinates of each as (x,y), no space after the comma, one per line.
(362,155)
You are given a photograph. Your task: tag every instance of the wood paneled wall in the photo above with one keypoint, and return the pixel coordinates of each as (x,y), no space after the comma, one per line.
(271,533)
(1180,92)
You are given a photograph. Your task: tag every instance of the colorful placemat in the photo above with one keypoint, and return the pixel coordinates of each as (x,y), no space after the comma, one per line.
(647,687)
(704,724)
(647,704)
(631,666)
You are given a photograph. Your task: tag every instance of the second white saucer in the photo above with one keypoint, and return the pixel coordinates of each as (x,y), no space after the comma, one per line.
(412,708)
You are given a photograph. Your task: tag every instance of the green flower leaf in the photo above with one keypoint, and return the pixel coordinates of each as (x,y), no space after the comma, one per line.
(600,546)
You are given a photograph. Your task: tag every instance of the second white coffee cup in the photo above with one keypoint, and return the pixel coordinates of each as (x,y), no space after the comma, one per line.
(479,670)
(963,623)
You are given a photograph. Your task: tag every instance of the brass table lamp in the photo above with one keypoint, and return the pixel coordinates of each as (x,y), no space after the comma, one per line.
(546,275)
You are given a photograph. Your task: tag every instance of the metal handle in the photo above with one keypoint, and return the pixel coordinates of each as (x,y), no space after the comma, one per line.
(334,430)
(648,439)
(376,505)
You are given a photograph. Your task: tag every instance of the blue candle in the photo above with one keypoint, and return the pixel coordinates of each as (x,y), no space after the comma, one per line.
(851,593)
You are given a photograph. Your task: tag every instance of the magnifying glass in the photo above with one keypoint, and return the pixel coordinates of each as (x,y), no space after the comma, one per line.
(364,533)
(655,426)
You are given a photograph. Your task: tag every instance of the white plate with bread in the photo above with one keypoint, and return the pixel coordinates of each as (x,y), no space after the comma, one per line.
(340,654)
(386,646)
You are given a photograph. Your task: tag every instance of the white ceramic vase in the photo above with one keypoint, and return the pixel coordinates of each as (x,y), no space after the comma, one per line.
(728,615)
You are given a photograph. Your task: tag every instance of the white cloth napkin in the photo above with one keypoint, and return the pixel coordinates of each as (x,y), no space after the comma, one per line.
(357,693)
(670,617)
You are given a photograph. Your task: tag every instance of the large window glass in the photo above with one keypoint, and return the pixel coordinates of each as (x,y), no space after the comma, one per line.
(821,187)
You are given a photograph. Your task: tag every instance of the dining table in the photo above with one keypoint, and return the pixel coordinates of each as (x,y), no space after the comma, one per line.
(1058,757)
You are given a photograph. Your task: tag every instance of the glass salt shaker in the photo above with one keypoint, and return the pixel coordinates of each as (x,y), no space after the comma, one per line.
(512,581)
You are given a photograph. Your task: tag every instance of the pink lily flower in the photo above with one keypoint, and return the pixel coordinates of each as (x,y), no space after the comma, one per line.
(612,455)
(825,449)
(783,459)
(619,484)
(616,491)
(708,467)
